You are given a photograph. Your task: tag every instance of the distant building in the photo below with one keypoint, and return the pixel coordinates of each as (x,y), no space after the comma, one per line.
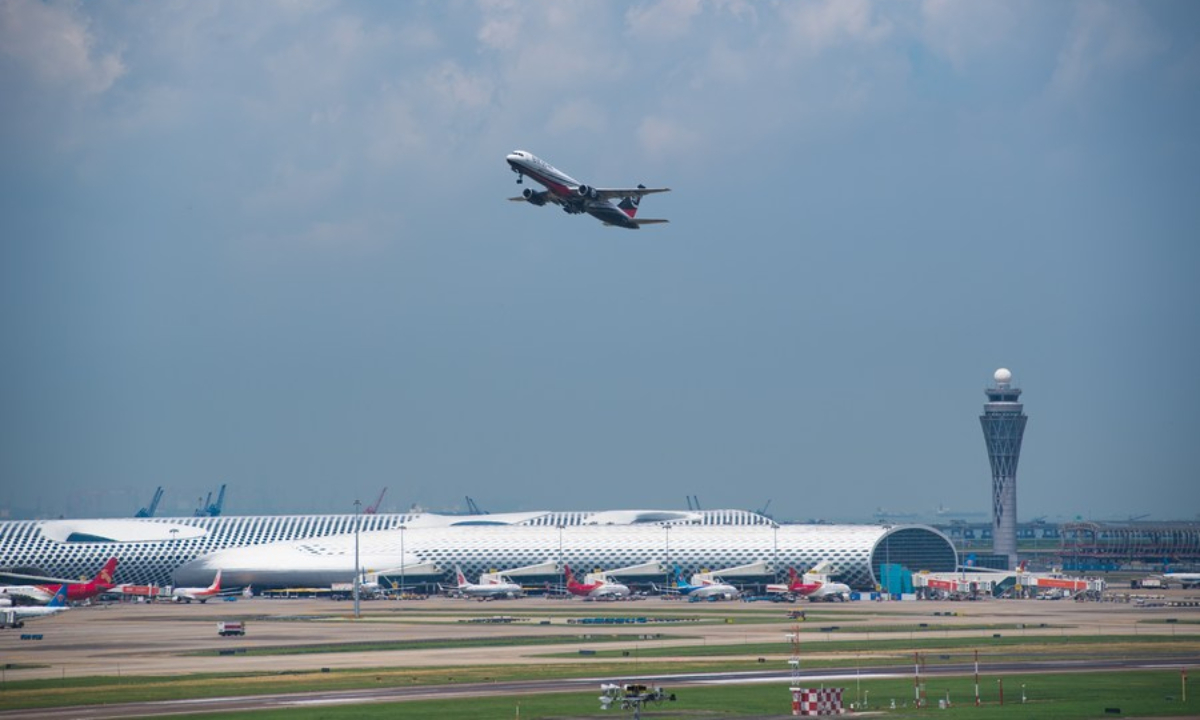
(306,550)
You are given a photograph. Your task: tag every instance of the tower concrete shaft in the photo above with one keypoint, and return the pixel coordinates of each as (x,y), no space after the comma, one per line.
(1003,422)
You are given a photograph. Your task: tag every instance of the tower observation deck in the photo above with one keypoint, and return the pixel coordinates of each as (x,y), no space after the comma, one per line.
(1003,422)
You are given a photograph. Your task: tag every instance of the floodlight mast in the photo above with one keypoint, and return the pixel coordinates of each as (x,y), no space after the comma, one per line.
(357,505)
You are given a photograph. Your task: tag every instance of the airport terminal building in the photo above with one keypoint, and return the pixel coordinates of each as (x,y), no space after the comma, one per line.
(317,550)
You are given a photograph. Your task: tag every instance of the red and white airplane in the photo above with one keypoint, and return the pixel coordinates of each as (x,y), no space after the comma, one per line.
(76,592)
(188,594)
(815,585)
(600,589)
(574,197)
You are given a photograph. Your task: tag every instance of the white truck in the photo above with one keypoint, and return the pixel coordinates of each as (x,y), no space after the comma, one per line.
(227,628)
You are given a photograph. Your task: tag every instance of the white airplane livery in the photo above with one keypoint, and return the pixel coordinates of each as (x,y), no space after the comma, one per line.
(575,198)
(504,589)
(1186,580)
(200,594)
(15,617)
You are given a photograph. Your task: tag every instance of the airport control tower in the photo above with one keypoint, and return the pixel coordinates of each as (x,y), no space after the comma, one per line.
(1003,422)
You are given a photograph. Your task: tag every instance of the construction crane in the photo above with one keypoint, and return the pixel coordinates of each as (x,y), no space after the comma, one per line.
(148,511)
(211,509)
(374,507)
(215,509)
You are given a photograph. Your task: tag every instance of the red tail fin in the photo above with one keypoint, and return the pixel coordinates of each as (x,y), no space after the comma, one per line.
(105,576)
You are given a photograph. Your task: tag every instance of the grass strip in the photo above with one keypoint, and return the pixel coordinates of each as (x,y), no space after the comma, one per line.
(428,644)
(1118,645)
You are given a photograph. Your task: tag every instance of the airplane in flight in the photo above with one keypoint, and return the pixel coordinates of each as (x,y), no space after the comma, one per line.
(708,588)
(200,594)
(602,589)
(485,590)
(76,591)
(15,617)
(574,197)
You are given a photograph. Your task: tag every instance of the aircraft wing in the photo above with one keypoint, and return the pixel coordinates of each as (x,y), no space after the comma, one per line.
(40,578)
(617,193)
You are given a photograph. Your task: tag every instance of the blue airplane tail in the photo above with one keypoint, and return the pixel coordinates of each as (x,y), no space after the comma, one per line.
(682,585)
(60,597)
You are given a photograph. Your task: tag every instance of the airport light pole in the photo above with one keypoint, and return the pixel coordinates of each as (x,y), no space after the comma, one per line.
(667,532)
(562,570)
(775,550)
(357,504)
(403,560)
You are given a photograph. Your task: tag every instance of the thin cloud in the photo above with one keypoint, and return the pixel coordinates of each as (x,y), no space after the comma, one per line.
(55,46)
(1104,39)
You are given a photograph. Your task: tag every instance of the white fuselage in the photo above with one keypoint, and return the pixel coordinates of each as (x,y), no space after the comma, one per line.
(830,591)
(15,617)
(199,594)
(1185,580)
(18,594)
(711,589)
(491,590)
(610,590)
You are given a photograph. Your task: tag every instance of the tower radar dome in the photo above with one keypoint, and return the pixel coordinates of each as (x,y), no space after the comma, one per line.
(1003,375)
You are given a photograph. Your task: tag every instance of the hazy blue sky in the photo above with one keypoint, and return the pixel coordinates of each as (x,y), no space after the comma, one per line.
(267,244)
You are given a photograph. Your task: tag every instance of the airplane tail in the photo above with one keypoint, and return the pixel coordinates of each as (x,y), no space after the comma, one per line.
(570,575)
(105,576)
(629,204)
(459,578)
(60,597)
(216,583)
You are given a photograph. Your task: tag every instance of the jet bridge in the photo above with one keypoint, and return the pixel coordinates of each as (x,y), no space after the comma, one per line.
(754,569)
(542,569)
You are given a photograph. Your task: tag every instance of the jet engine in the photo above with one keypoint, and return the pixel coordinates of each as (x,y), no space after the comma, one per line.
(586,191)
(534,197)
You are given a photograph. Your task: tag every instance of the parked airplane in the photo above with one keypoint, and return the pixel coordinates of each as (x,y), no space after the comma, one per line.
(1185,580)
(188,594)
(710,588)
(814,585)
(601,589)
(493,590)
(15,617)
(575,197)
(76,592)
(794,586)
